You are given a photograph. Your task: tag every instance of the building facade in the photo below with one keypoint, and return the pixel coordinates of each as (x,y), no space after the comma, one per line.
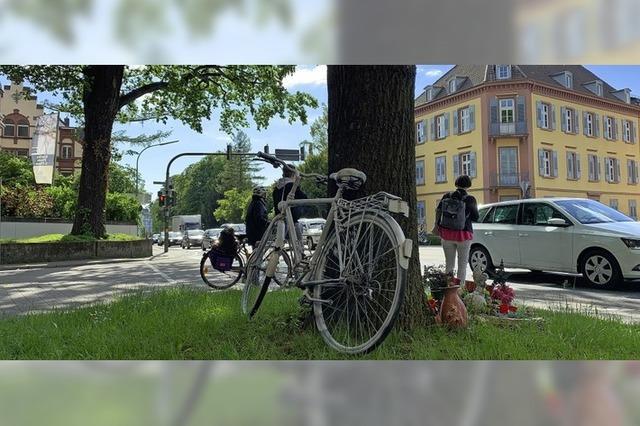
(527,131)
(19,111)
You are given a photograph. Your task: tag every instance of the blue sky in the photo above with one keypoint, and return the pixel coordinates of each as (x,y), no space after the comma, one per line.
(281,134)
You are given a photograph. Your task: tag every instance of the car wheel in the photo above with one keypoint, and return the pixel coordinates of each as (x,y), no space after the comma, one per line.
(600,269)
(188,245)
(203,249)
(480,256)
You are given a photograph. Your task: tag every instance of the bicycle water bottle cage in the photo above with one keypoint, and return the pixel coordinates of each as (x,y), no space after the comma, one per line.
(349,178)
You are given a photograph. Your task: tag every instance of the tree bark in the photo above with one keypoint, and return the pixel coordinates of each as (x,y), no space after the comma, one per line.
(371,128)
(101,97)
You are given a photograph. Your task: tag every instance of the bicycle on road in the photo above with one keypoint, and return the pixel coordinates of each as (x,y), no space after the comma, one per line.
(356,278)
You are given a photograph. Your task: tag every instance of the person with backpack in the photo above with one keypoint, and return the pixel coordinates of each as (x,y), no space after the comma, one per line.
(281,191)
(256,218)
(454,216)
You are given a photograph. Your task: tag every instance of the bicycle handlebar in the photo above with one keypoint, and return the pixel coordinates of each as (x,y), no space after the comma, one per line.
(276,162)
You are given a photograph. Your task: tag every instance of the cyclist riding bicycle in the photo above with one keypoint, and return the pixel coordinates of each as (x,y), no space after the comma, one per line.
(280,193)
(256,219)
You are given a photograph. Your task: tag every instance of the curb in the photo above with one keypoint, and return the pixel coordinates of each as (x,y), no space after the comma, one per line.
(18,266)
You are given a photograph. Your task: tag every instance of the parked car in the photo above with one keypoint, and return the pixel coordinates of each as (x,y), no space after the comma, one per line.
(192,237)
(210,235)
(311,231)
(161,239)
(238,228)
(155,237)
(572,235)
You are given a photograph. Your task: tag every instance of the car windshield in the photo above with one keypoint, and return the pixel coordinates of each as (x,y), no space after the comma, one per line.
(589,211)
(317,225)
(196,232)
(175,234)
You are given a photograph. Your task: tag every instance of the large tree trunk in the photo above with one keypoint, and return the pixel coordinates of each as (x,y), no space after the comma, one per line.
(101,95)
(371,128)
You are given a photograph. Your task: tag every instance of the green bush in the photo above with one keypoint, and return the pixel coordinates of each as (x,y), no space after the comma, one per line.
(121,207)
(64,200)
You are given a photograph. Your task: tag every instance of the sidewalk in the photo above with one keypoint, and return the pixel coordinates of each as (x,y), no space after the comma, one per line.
(69,263)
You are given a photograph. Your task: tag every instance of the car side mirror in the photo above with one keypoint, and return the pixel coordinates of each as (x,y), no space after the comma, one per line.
(557,221)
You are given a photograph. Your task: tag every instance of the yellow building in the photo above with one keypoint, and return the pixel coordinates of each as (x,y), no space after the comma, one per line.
(527,131)
(19,111)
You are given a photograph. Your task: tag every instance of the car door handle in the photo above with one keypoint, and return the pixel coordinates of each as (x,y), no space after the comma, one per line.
(488,233)
(521,234)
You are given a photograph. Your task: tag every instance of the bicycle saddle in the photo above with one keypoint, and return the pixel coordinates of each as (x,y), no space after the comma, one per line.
(351,178)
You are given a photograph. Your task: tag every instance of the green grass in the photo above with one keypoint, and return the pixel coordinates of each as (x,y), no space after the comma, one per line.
(190,324)
(62,238)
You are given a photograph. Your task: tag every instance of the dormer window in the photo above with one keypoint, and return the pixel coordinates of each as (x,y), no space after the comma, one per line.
(595,87)
(564,78)
(429,93)
(503,72)
(452,85)
(599,88)
(568,80)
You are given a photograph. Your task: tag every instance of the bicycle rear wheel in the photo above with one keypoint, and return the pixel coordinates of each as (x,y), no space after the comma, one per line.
(220,280)
(256,283)
(357,314)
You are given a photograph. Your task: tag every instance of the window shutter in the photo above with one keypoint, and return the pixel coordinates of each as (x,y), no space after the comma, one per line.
(629,171)
(615,129)
(596,125)
(578,171)
(432,128)
(569,166)
(472,170)
(617,171)
(521,109)
(493,104)
(584,122)
(591,159)
(539,112)
(424,130)
(563,119)
(456,114)
(635,171)
(472,117)
(541,162)
(634,132)
(446,124)
(606,169)
(552,119)
(456,166)
(598,168)
(554,163)
(576,125)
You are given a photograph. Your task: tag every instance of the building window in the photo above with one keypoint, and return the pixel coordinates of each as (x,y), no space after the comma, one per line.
(611,168)
(544,116)
(452,85)
(506,111)
(441,129)
(420,172)
(608,128)
(66,152)
(633,210)
(599,88)
(503,72)
(594,168)
(420,131)
(465,120)
(429,93)
(23,130)
(441,169)
(546,163)
(613,203)
(632,172)
(66,172)
(569,80)
(589,124)
(465,164)
(627,131)
(568,120)
(573,165)
(421,212)
(508,166)
(9,129)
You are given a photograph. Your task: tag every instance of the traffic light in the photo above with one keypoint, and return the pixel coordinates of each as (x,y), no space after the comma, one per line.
(162,198)
(171,199)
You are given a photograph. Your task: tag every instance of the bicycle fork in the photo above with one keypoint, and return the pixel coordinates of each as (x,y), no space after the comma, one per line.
(274,257)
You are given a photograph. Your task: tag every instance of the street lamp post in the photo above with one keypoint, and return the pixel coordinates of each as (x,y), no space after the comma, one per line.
(138,159)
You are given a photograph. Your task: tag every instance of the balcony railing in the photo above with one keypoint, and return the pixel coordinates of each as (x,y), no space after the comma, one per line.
(508,180)
(508,129)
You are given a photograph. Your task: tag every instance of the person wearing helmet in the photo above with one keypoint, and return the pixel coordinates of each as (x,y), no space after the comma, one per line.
(256,219)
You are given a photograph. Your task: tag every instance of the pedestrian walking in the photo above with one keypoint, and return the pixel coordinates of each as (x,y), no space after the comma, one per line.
(454,216)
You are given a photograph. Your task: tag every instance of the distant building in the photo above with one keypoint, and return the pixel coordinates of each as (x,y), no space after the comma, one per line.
(19,111)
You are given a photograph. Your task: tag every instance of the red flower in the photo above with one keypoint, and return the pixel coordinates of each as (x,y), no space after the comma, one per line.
(504,309)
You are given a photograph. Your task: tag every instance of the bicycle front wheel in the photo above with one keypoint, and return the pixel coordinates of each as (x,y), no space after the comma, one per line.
(220,280)
(256,284)
(357,313)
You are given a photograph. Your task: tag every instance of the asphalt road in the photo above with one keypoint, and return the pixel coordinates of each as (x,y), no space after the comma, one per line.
(45,288)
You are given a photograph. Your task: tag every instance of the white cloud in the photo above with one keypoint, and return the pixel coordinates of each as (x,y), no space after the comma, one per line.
(314,76)
(434,72)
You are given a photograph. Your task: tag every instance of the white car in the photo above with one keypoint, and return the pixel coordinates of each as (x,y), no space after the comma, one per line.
(572,235)
(311,231)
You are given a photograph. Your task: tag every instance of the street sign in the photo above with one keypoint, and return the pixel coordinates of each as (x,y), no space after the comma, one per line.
(158,182)
(288,154)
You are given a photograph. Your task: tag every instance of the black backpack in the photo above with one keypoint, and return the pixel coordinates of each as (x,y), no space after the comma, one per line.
(452,213)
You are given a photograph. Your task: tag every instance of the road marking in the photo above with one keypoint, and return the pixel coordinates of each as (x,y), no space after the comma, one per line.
(162,274)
